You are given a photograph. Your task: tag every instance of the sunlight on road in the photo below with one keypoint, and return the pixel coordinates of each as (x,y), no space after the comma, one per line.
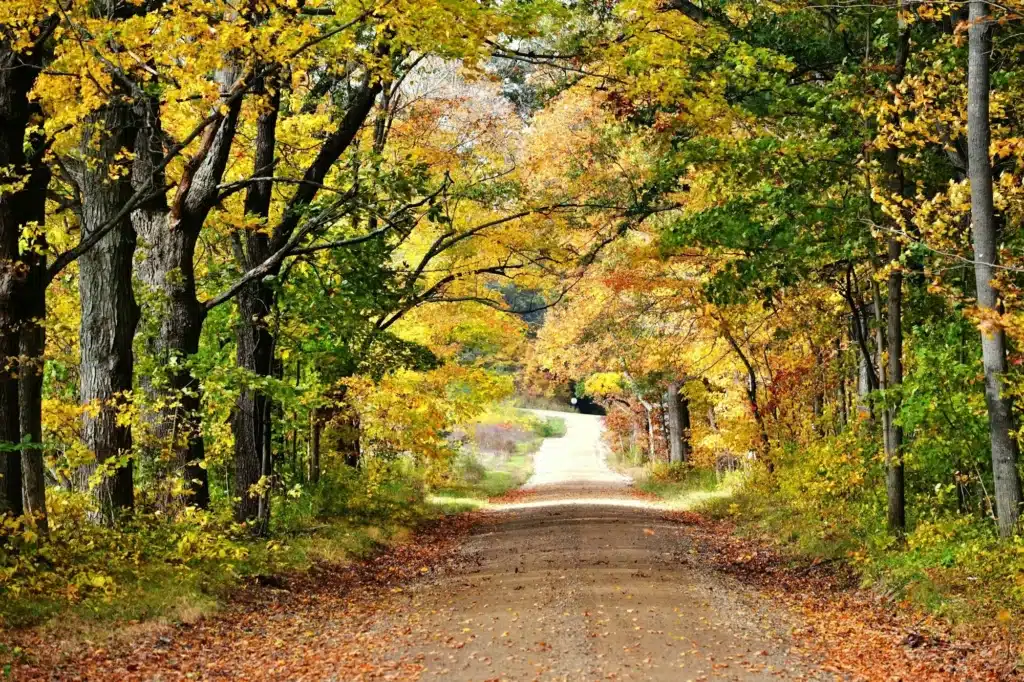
(578,457)
(635,503)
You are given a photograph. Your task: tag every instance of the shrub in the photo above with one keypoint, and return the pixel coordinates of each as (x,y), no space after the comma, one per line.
(670,472)
(550,427)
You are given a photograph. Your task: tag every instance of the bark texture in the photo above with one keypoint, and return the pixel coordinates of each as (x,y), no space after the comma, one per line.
(678,412)
(32,344)
(169,235)
(21,203)
(1007,487)
(109,310)
(250,421)
(895,485)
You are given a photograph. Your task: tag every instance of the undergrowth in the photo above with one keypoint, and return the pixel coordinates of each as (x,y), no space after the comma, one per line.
(825,505)
(178,569)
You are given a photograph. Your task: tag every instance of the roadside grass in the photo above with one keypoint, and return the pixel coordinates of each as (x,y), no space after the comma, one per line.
(498,459)
(92,580)
(550,427)
(475,481)
(694,492)
(953,567)
(686,488)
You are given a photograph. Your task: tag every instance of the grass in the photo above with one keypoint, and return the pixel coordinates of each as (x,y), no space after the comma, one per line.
(950,566)
(550,427)
(161,570)
(477,482)
(687,488)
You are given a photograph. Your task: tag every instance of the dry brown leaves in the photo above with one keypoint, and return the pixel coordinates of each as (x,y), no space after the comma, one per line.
(328,623)
(855,631)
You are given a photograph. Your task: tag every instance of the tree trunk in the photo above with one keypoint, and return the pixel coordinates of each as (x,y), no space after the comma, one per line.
(255,345)
(315,427)
(18,207)
(841,398)
(818,399)
(755,407)
(678,412)
(651,452)
(32,347)
(109,311)
(892,433)
(255,299)
(895,486)
(1007,487)
(349,430)
(249,421)
(169,236)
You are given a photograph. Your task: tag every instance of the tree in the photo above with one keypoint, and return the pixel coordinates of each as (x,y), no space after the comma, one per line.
(23,50)
(1007,486)
(678,414)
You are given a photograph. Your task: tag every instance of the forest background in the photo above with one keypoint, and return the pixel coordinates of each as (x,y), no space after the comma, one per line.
(265,264)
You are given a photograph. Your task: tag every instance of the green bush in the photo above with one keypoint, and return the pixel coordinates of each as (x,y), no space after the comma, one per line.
(670,472)
(550,427)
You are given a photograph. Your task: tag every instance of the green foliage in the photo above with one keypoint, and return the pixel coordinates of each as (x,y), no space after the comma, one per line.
(550,427)
(687,487)
(154,566)
(670,472)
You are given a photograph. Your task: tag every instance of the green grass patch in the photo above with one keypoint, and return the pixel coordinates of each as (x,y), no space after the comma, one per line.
(550,427)
(687,488)
(477,478)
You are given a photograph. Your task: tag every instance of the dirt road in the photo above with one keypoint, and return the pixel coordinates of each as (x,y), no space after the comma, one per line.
(574,578)
(577,579)
(584,581)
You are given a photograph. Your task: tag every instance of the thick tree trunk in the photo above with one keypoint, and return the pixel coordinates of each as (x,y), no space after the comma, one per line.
(1007,487)
(250,422)
(169,236)
(176,430)
(109,311)
(677,409)
(20,197)
(255,344)
(21,311)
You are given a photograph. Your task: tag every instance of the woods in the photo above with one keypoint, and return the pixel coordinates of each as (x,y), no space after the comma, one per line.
(261,260)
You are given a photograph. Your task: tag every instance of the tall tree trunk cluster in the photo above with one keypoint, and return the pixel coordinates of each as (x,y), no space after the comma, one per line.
(132,229)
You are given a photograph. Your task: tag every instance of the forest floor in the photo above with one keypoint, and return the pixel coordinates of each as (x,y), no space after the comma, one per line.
(574,577)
